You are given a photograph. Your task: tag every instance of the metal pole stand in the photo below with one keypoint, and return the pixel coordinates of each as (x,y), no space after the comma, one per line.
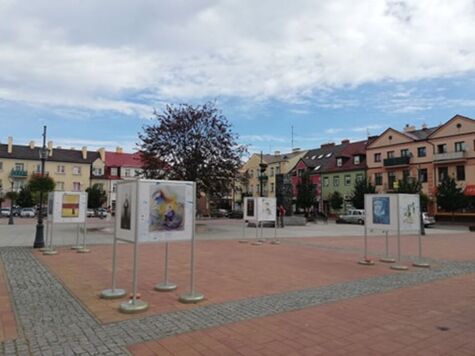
(192,296)
(50,251)
(83,248)
(399,266)
(114,292)
(366,261)
(275,241)
(165,286)
(77,246)
(243,240)
(262,239)
(419,262)
(43,249)
(386,258)
(257,242)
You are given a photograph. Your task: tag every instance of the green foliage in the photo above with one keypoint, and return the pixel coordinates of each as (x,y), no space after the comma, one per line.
(409,186)
(450,198)
(25,198)
(41,184)
(96,196)
(336,201)
(306,193)
(361,188)
(425,200)
(12,196)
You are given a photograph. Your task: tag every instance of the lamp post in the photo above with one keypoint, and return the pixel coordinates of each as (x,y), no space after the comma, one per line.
(10,218)
(39,235)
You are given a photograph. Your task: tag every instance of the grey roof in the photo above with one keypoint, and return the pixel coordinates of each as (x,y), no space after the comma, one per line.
(327,153)
(421,134)
(59,154)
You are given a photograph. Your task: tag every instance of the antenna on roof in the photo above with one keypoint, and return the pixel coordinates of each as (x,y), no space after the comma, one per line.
(367,132)
(292,137)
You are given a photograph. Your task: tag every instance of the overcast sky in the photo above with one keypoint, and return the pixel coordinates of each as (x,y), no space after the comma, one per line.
(94,71)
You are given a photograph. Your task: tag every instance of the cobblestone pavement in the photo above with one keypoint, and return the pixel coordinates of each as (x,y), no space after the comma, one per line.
(53,322)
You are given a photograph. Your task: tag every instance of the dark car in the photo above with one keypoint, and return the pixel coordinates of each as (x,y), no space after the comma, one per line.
(236,214)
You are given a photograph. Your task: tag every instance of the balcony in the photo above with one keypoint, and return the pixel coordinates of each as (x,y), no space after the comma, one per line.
(450,156)
(397,161)
(19,173)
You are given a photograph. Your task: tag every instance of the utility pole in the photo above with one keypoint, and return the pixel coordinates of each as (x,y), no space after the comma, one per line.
(39,235)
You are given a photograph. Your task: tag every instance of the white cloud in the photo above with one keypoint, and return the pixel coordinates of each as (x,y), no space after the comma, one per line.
(93,53)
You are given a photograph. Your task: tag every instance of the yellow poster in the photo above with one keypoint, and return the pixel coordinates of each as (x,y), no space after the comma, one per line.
(70,206)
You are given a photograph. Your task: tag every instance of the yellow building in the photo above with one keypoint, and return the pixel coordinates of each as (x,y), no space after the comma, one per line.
(71,169)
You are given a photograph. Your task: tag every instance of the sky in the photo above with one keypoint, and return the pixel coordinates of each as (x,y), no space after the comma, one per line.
(95,71)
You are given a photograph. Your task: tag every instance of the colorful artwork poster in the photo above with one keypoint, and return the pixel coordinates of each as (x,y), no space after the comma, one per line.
(126,208)
(70,206)
(167,207)
(381,211)
(267,209)
(250,208)
(409,212)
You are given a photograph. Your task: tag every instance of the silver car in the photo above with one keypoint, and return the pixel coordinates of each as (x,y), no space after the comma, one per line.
(353,216)
(428,220)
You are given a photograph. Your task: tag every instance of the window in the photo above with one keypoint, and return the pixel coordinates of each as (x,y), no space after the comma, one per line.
(38,168)
(328,155)
(391,179)
(326,181)
(277,170)
(272,187)
(421,151)
(60,169)
(257,189)
(356,159)
(336,181)
(460,146)
(390,154)
(76,170)
(272,172)
(19,167)
(405,153)
(127,172)
(443,173)
(76,186)
(59,186)
(1,165)
(114,171)
(97,171)
(300,172)
(405,174)
(320,156)
(442,148)
(377,157)
(251,173)
(339,162)
(317,167)
(460,172)
(347,179)
(359,177)
(378,179)
(423,175)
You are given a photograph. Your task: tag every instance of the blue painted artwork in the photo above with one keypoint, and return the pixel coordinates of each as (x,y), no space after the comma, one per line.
(381,210)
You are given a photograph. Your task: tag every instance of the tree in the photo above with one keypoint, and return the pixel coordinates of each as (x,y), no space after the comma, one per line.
(450,198)
(193,143)
(96,196)
(12,196)
(336,201)
(361,188)
(24,198)
(306,193)
(39,185)
(409,186)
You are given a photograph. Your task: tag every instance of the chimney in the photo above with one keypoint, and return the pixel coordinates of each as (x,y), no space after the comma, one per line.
(424,126)
(102,153)
(330,144)
(32,145)
(10,144)
(118,149)
(296,149)
(50,148)
(409,128)
(344,142)
(84,152)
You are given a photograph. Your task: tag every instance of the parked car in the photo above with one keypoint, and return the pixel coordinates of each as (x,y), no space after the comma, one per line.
(5,212)
(219,213)
(428,220)
(101,213)
(236,214)
(90,213)
(353,216)
(28,212)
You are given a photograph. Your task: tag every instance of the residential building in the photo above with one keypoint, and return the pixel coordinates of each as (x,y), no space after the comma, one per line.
(71,169)
(427,155)
(342,172)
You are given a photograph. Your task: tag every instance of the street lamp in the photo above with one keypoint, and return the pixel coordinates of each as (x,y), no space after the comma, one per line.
(10,218)
(39,235)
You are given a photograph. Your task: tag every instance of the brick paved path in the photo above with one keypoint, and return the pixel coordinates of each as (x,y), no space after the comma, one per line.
(53,322)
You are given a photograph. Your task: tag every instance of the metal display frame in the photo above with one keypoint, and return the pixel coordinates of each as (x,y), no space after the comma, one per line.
(259,223)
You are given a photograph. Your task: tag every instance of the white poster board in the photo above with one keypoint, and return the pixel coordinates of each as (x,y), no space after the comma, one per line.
(385,212)
(266,209)
(67,207)
(250,209)
(155,210)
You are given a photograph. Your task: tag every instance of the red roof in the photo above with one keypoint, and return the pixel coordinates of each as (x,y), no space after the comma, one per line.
(351,150)
(114,159)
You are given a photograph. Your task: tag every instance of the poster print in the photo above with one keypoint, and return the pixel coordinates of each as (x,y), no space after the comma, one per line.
(381,211)
(167,207)
(126,210)
(267,209)
(409,212)
(70,206)
(250,207)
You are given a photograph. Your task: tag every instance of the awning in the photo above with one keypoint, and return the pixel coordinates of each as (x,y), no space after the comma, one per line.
(470,190)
